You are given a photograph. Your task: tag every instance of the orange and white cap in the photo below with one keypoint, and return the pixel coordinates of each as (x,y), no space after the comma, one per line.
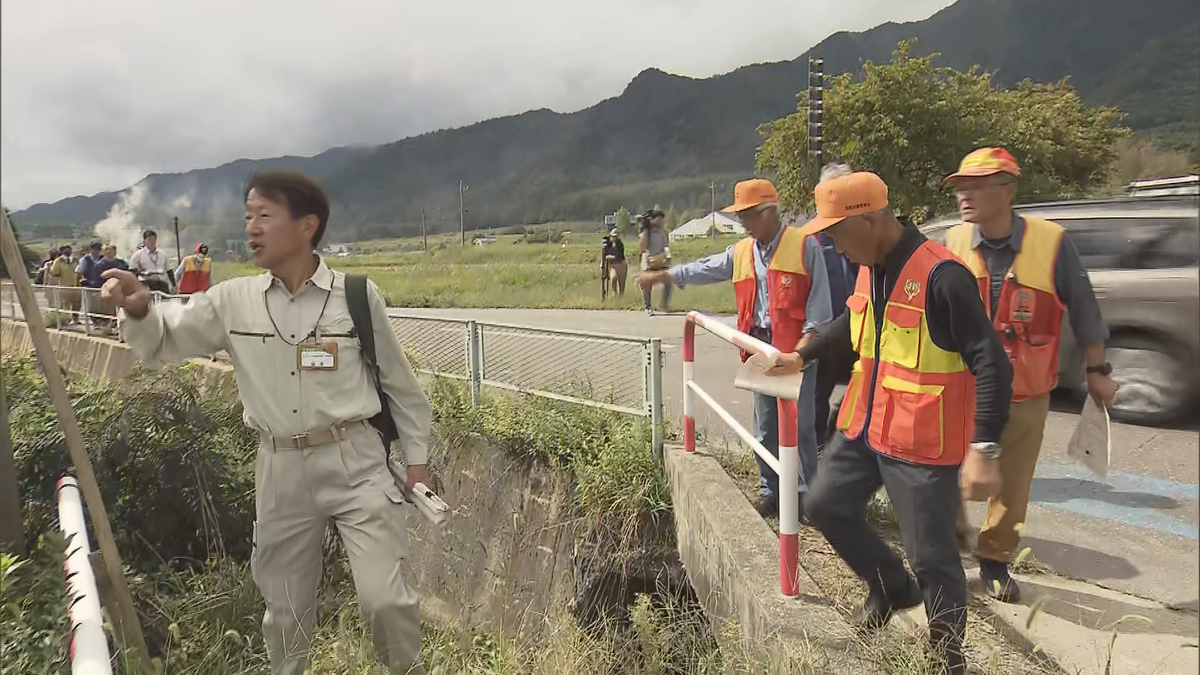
(985,162)
(852,195)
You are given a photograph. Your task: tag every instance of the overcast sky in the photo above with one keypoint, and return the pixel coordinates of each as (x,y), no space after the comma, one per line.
(95,94)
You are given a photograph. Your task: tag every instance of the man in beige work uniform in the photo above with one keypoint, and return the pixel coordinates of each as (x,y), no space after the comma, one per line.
(308,393)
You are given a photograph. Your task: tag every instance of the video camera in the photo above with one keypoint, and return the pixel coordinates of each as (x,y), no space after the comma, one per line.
(645,218)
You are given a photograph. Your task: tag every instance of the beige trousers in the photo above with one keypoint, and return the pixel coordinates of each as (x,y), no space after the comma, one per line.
(1020,443)
(297,492)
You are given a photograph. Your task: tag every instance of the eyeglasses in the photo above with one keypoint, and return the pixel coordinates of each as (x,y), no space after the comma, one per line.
(962,188)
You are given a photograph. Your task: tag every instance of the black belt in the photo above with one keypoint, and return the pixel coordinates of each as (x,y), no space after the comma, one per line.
(763,334)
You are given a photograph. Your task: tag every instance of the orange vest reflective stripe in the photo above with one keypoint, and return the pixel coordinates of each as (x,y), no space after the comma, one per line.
(921,398)
(195,277)
(787,288)
(1028,316)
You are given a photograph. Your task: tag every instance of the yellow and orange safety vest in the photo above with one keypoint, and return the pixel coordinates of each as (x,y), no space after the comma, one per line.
(1029,313)
(787,288)
(921,397)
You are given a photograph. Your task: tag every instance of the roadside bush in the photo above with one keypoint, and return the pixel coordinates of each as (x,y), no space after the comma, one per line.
(608,453)
(175,467)
(33,609)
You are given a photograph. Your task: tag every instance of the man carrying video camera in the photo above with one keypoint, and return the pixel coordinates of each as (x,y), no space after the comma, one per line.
(656,256)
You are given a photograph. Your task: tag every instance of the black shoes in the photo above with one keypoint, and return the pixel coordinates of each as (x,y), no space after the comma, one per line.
(768,506)
(878,609)
(1000,586)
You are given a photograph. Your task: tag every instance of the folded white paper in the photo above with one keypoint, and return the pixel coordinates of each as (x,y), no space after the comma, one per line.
(753,376)
(1091,444)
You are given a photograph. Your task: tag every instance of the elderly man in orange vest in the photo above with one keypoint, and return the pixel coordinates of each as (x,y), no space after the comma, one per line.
(782,295)
(1027,272)
(929,394)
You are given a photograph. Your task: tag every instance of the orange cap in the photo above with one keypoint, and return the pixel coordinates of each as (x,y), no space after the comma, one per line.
(845,196)
(750,193)
(985,162)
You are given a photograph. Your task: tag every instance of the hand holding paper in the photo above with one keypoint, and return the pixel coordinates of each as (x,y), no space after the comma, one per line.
(1091,444)
(753,375)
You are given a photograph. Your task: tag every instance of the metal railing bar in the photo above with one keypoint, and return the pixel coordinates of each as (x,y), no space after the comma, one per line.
(743,433)
(568,399)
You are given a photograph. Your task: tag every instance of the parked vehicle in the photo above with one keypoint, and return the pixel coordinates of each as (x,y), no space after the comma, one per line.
(1142,255)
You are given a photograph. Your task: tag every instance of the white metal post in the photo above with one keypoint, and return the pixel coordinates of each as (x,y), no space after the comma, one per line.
(89,646)
(474,361)
(654,345)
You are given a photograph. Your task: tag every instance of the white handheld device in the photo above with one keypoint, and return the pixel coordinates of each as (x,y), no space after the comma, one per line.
(430,505)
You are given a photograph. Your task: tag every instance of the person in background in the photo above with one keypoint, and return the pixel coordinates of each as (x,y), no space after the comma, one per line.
(90,279)
(924,409)
(109,261)
(87,266)
(779,282)
(309,394)
(1027,273)
(150,264)
(195,271)
(835,369)
(44,266)
(618,268)
(656,256)
(63,272)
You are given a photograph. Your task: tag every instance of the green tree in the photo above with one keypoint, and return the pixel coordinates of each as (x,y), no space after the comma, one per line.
(671,219)
(912,122)
(27,254)
(623,219)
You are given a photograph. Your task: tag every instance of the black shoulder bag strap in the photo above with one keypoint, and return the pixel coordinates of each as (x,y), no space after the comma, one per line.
(360,314)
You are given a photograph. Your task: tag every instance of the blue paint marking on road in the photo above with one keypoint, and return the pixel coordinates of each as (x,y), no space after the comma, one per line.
(1133,499)
(1122,481)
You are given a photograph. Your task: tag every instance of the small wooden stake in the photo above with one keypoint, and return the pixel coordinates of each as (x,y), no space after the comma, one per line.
(74,439)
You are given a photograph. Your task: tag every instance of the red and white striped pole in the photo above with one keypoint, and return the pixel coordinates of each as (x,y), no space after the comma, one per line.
(789,500)
(88,650)
(689,357)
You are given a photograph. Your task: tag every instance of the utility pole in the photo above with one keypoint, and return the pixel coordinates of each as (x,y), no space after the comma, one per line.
(816,86)
(462,220)
(712,193)
(424,236)
(178,249)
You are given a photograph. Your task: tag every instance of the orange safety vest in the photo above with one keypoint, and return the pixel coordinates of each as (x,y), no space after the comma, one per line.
(195,277)
(1029,313)
(921,397)
(787,288)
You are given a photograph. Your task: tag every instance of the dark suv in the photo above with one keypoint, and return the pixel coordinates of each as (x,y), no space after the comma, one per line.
(1142,256)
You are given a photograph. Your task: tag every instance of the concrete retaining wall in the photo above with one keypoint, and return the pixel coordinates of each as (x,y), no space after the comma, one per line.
(506,560)
(732,559)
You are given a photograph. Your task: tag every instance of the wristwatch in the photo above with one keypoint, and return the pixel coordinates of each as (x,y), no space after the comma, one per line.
(988,450)
(1104,369)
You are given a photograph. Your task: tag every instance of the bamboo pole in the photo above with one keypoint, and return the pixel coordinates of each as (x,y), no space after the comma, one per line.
(74,438)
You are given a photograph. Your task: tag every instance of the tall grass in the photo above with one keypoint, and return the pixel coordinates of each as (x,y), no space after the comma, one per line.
(511,274)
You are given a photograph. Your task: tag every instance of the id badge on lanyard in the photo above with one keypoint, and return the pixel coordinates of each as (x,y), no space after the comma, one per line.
(317,354)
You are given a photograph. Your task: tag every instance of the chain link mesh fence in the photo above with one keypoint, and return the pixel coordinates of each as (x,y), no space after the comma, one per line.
(605,371)
(593,368)
(434,346)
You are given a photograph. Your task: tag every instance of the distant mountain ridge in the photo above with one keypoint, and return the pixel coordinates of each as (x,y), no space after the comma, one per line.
(665,136)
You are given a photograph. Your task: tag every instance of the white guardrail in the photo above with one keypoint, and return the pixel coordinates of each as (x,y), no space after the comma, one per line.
(89,646)
(70,308)
(787,466)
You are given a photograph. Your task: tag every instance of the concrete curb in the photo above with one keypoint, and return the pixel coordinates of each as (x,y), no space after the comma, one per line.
(1071,625)
(732,559)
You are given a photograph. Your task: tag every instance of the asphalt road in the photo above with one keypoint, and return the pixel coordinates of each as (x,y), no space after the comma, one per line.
(1137,532)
